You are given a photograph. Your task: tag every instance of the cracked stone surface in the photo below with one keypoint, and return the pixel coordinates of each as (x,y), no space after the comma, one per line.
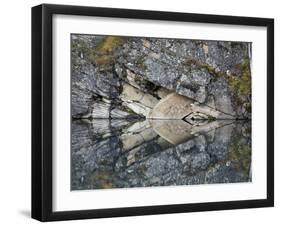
(159,112)
(213,73)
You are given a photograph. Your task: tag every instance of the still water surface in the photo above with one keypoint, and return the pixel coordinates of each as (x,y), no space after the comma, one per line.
(120,153)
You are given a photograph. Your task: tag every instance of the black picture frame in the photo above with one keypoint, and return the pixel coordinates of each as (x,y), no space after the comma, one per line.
(42,111)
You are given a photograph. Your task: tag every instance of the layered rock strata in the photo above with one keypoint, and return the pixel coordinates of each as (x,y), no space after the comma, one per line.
(115,77)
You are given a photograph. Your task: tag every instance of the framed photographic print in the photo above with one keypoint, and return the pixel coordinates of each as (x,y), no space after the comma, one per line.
(146,112)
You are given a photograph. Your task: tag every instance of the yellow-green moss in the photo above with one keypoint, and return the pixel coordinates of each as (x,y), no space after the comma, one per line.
(211,118)
(109,43)
(208,67)
(241,84)
(102,55)
(101,179)
(240,155)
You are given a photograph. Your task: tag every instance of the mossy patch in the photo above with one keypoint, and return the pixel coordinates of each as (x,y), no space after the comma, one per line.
(240,155)
(103,55)
(211,118)
(101,179)
(109,43)
(241,84)
(208,67)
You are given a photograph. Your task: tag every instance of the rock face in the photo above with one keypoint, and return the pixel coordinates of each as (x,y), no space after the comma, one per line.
(136,73)
(159,112)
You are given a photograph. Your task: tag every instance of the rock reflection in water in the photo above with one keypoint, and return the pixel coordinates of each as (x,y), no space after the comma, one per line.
(122,153)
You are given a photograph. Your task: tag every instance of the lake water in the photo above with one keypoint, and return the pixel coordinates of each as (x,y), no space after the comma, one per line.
(143,153)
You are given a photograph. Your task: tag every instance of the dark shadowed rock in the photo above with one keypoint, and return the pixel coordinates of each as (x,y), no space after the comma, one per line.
(128,154)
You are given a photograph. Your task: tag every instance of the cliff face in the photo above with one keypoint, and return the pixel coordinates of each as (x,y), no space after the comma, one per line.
(123,88)
(123,77)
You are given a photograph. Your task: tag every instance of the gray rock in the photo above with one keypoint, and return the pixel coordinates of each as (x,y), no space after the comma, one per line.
(135,156)
(117,81)
(220,91)
(195,69)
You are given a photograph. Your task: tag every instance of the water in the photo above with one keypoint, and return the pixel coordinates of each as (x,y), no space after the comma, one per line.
(121,154)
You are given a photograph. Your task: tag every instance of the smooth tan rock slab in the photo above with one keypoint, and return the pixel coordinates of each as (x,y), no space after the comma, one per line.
(131,93)
(173,106)
(129,141)
(173,131)
(136,100)
(179,131)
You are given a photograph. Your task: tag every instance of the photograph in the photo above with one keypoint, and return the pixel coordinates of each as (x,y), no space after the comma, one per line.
(138,113)
(144,112)
(156,111)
